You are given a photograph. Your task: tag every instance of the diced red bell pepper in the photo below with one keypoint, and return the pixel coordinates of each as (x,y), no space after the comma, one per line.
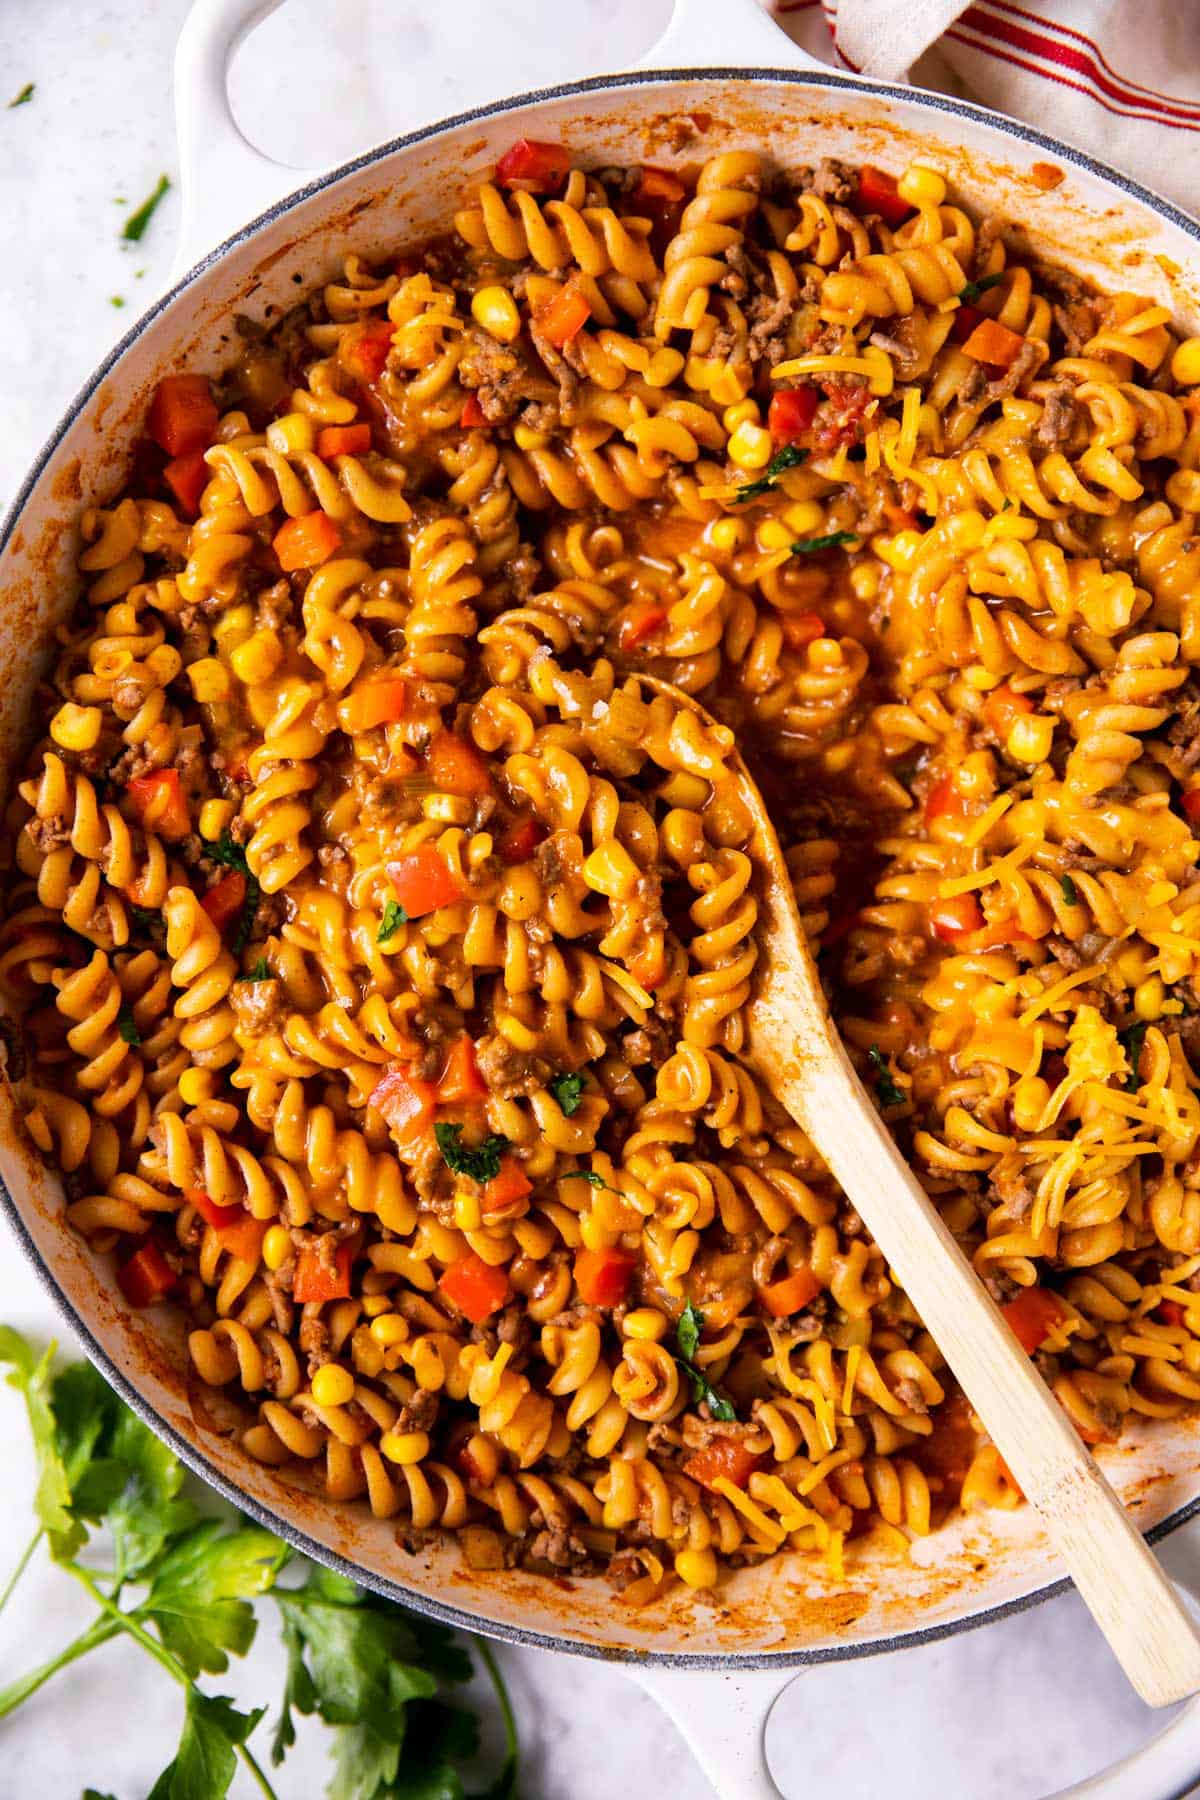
(658,185)
(878,193)
(225,899)
(955,918)
(456,767)
(344,440)
(1032,1315)
(477,1288)
(305,542)
(791,412)
(244,1237)
(1004,931)
(423,881)
(317,1280)
(536,166)
(993,343)
(801,629)
(639,622)
(406,1103)
(365,353)
(966,319)
(380,702)
(519,842)
(1191,804)
(473,415)
(840,417)
(563,317)
(161,804)
(187,478)
(603,1276)
(209,1210)
(146,1277)
(1169,1312)
(460,1080)
(725,1456)
(944,799)
(507,1187)
(183,414)
(791,1294)
(1003,707)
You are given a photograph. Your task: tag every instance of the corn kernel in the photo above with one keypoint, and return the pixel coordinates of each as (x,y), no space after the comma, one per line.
(277,1246)
(468,1214)
(773,534)
(209,679)
(1130,964)
(370,1358)
(1029,1099)
(258,658)
(743,413)
(526,438)
(726,534)
(921,186)
(751,446)
(215,815)
(696,1568)
(292,435)
(332,1385)
(405,1446)
(196,1086)
(496,311)
(1148,998)
(1185,364)
(804,518)
(389,1329)
(593,1235)
(76,727)
(375,1304)
(1031,737)
(864,580)
(235,624)
(645,1324)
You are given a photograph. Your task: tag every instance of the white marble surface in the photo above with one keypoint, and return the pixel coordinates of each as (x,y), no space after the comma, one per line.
(1009,1713)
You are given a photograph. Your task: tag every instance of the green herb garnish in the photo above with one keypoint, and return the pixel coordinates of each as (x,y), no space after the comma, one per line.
(23,98)
(1133,1039)
(136,223)
(144,918)
(809,546)
(229,854)
(568,1091)
(260,972)
(592,1179)
(687,1336)
(973,289)
(480,1163)
(394,916)
(890,1094)
(183,1585)
(116,300)
(1070,891)
(127,1027)
(788,458)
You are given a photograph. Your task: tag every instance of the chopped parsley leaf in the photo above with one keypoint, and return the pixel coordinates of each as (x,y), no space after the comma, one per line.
(144,918)
(973,289)
(480,1163)
(568,1091)
(230,855)
(687,1336)
(23,98)
(126,1026)
(1133,1039)
(890,1093)
(394,916)
(809,546)
(1070,891)
(136,223)
(788,458)
(116,300)
(592,1179)
(687,1332)
(260,972)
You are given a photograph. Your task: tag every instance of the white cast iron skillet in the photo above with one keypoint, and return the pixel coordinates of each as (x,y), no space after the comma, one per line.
(717,1672)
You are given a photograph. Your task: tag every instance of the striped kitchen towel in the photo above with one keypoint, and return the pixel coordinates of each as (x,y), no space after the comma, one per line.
(1118,78)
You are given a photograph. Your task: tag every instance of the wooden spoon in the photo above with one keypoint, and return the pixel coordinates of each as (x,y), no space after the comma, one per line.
(794,1044)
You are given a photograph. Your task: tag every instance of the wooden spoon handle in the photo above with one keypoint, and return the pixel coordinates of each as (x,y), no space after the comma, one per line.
(1117,1575)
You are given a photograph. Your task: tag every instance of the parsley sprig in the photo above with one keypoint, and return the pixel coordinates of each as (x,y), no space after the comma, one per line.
(889,1091)
(568,1091)
(394,916)
(23,98)
(973,289)
(687,1336)
(182,1586)
(135,225)
(810,546)
(229,854)
(127,1026)
(1133,1039)
(1070,892)
(480,1162)
(790,457)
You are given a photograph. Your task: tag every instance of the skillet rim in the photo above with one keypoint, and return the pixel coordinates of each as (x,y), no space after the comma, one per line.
(190,1454)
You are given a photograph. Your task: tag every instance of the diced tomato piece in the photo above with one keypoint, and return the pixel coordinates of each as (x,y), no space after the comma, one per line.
(460,1080)
(639,622)
(563,317)
(900,518)
(790,1295)
(520,841)
(506,1188)
(365,353)
(475,1287)
(216,1215)
(161,804)
(955,918)
(244,1237)
(303,543)
(183,414)
(603,1276)
(316,1280)
(423,881)
(878,193)
(659,184)
(725,1456)
(965,320)
(1003,707)
(801,629)
(649,966)
(146,1277)
(225,898)
(473,415)
(344,440)
(791,412)
(456,767)
(944,798)
(466,1465)
(840,417)
(538,167)
(1191,804)
(187,478)
(1032,1315)
(380,702)
(1169,1312)
(993,343)
(406,1102)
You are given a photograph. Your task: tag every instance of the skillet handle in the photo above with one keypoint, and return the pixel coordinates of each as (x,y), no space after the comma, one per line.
(725,34)
(224,180)
(722,1716)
